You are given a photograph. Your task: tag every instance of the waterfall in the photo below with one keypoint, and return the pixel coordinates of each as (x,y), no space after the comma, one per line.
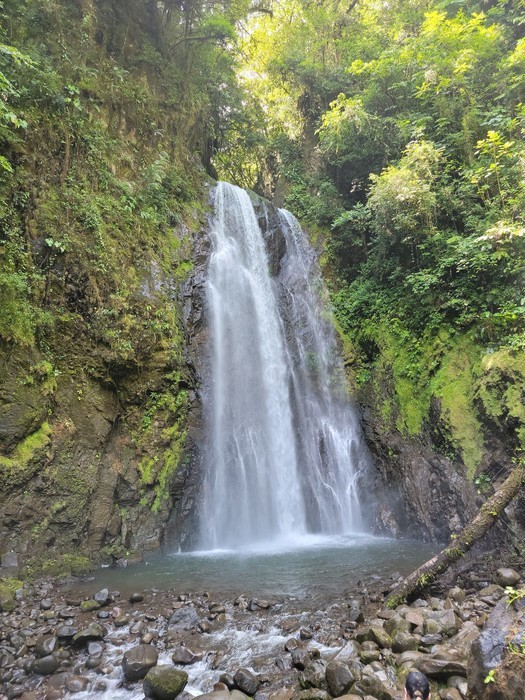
(283,450)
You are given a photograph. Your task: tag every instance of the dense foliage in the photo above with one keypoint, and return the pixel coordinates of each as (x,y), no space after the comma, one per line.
(396,129)
(399,128)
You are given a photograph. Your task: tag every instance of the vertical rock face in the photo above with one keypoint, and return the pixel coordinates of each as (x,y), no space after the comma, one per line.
(92,449)
(419,492)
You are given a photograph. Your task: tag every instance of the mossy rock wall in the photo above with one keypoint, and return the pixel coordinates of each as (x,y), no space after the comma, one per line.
(444,417)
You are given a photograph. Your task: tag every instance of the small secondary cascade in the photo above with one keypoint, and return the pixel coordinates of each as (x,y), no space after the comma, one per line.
(284,451)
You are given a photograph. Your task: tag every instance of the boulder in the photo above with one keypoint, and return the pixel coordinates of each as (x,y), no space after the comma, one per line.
(340,677)
(370,684)
(184,656)
(94,631)
(138,661)
(403,641)
(184,618)
(102,597)
(300,658)
(441,669)
(246,681)
(314,676)
(164,682)
(46,645)
(45,666)
(506,577)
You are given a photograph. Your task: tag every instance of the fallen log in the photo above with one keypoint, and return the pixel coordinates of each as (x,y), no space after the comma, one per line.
(460,544)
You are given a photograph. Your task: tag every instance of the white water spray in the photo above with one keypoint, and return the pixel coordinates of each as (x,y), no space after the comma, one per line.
(284,450)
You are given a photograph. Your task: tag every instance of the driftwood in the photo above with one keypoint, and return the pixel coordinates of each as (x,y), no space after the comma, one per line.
(460,544)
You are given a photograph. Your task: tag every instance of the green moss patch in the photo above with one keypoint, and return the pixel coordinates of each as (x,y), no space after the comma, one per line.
(14,469)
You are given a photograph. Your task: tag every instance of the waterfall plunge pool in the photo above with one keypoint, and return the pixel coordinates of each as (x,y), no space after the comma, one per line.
(308,566)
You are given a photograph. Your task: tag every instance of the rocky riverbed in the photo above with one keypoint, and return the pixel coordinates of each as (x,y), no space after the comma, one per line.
(57,643)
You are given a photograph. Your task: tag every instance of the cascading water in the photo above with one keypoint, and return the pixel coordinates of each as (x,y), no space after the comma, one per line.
(284,450)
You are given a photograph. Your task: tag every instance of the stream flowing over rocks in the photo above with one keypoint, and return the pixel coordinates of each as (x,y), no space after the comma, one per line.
(77,643)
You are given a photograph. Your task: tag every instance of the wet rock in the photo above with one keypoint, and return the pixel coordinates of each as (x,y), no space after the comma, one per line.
(370,684)
(465,638)
(216,608)
(46,645)
(246,681)
(45,666)
(227,680)
(76,684)
(374,633)
(506,577)
(291,644)
(403,641)
(94,631)
(305,634)
(136,598)
(183,619)
(442,668)
(430,640)
(448,622)
(137,661)
(349,652)
(238,695)
(314,676)
(396,624)
(300,658)
(164,682)
(95,647)
(368,656)
(215,695)
(491,593)
(102,597)
(414,619)
(341,677)
(183,655)
(122,620)
(137,627)
(458,683)
(409,657)
(89,605)
(6,659)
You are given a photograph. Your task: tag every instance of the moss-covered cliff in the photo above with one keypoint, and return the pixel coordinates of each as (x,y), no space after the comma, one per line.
(106,124)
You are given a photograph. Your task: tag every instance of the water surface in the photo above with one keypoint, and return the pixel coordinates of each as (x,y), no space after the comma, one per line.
(306,566)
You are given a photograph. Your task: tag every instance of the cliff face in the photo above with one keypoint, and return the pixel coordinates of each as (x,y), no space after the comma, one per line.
(100,195)
(92,451)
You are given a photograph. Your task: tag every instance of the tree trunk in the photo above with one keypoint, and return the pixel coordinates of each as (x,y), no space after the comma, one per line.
(460,544)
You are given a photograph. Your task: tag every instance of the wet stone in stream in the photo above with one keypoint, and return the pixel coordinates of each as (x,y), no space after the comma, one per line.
(283,651)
